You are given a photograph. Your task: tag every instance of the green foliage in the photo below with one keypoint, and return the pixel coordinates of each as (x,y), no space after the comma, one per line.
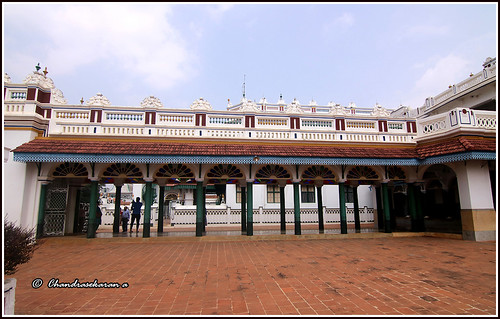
(19,245)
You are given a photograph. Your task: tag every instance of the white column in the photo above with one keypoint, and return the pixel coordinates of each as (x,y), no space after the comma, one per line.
(476,201)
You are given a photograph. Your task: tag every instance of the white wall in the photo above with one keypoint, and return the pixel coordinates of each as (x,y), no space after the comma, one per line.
(366,197)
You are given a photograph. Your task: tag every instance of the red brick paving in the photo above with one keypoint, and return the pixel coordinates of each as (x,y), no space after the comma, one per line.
(376,276)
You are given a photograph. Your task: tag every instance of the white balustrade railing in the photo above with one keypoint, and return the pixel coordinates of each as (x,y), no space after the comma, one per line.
(14,108)
(72,115)
(175,119)
(227,216)
(225,120)
(272,122)
(17,95)
(455,119)
(112,116)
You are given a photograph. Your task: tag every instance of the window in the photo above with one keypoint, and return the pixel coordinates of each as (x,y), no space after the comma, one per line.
(273,194)
(308,195)
(238,193)
(349,194)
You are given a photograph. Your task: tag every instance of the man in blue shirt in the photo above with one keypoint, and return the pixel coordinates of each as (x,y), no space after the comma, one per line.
(136,213)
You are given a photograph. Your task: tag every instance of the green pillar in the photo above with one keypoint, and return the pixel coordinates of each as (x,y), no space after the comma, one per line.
(199,209)
(380,212)
(116,220)
(282,210)
(77,211)
(420,214)
(204,208)
(249,208)
(321,223)
(343,213)
(91,227)
(146,222)
(41,211)
(243,209)
(161,209)
(412,206)
(387,211)
(296,208)
(357,220)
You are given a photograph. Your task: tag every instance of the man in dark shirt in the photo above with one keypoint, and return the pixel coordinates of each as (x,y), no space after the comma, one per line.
(136,213)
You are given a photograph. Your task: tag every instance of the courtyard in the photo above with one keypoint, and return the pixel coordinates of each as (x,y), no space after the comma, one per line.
(318,274)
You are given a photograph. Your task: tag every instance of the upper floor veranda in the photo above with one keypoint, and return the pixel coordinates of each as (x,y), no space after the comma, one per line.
(444,114)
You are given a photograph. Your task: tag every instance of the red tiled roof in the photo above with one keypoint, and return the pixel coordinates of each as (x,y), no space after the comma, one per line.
(456,145)
(94,146)
(55,145)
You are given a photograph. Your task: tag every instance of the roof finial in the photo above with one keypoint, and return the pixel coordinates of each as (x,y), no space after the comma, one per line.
(81,101)
(37,67)
(45,72)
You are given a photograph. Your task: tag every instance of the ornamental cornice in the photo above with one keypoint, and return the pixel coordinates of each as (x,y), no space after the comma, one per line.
(6,78)
(99,100)
(294,107)
(337,109)
(249,106)
(57,97)
(201,104)
(37,78)
(379,111)
(151,101)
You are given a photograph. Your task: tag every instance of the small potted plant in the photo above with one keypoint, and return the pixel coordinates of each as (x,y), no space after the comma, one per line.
(19,245)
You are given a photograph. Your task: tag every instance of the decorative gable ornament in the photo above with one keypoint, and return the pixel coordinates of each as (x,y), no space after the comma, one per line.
(201,104)
(379,111)
(99,100)
(337,109)
(39,79)
(6,78)
(151,101)
(57,97)
(294,107)
(249,106)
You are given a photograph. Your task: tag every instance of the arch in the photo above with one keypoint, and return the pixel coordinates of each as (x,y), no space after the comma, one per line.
(396,173)
(362,173)
(131,172)
(271,173)
(315,172)
(224,174)
(176,174)
(68,169)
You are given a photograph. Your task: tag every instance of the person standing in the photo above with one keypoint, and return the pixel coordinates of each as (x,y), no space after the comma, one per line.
(125,218)
(136,213)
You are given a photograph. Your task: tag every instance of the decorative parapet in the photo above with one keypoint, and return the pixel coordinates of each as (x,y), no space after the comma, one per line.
(337,109)
(457,119)
(57,97)
(151,101)
(474,81)
(249,106)
(39,79)
(99,100)
(6,78)
(294,107)
(201,104)
(379,111)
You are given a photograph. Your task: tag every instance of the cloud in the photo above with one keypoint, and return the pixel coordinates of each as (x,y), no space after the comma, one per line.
(346,20)
(437,77)
(426,31)
(136,38)
(218,10)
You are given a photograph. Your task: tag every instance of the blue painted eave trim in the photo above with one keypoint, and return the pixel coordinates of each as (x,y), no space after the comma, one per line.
(187,159)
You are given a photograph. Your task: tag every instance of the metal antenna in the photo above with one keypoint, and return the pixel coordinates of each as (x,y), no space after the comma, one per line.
(244,76)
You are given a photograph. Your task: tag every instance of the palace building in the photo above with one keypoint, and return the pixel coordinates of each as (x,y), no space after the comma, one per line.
(432,168)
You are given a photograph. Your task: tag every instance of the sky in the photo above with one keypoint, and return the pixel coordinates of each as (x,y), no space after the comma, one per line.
(391,54)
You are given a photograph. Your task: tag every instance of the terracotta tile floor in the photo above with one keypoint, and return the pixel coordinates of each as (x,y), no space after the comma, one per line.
(329,276)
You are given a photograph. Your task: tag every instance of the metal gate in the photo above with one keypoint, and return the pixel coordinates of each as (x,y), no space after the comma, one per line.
(55,211)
